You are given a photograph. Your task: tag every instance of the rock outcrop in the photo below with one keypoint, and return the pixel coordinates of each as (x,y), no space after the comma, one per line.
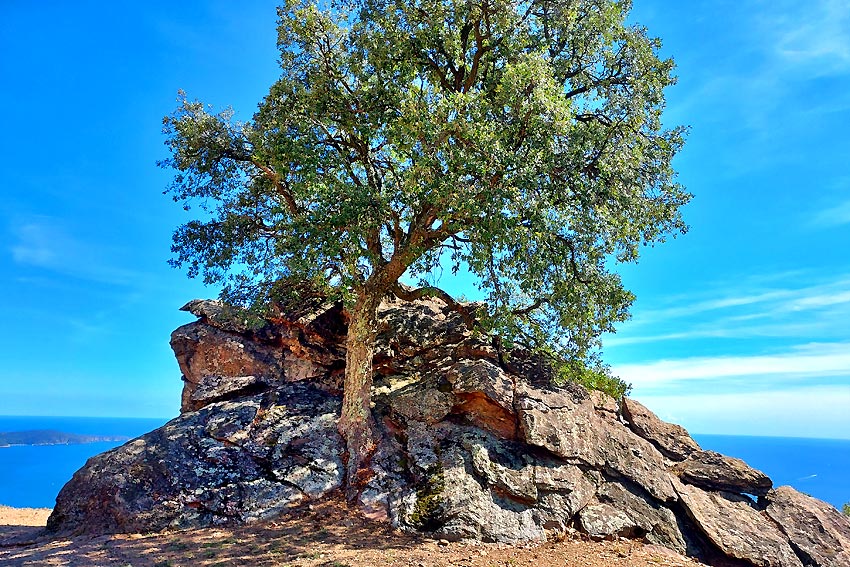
(472,446)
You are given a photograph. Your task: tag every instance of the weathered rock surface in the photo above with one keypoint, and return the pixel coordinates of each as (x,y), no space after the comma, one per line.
(227,352)
(736,527)
(817,531)
(209,357)
(231,461)
(468,448)
(672,440)
(713,471)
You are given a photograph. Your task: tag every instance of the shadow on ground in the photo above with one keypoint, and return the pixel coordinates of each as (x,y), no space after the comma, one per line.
(305,537)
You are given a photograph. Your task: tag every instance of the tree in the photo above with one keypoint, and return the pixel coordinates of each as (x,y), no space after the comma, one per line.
(520,140)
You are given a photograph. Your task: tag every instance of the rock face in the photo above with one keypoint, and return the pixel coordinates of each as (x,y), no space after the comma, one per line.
(469,448)
(817,531)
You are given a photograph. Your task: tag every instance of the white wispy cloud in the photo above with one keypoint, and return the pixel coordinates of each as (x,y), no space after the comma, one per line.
(689,308)
(835,215)
(818,411)
(808,360)
(766,356)
(790,306)
(43,242)
(759,92)
(814,35)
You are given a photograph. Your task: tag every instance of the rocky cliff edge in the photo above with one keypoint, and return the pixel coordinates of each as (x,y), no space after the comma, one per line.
(470,448)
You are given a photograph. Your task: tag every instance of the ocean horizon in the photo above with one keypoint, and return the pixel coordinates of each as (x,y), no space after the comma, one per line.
(31,476)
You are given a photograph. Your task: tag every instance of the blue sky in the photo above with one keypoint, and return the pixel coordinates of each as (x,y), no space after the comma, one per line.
(741,326)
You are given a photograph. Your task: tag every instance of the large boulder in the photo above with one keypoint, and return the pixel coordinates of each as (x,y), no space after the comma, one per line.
(228,352)
(216,364)
(469,446)
(735,526)
(230,462)
(817,531)
(712,471)
(566,423)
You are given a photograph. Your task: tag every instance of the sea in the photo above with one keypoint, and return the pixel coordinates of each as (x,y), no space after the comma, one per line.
(31,476)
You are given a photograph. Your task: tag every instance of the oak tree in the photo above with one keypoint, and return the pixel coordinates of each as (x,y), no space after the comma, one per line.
(518,140)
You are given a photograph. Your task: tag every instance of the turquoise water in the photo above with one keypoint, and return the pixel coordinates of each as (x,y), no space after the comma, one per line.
(33,476)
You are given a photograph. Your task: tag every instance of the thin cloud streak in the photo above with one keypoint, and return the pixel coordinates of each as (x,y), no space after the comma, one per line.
(42,242)
(815,300)
(783,52)
(818,39)
(771,413)
(819,359)
(650,316)
(837,215)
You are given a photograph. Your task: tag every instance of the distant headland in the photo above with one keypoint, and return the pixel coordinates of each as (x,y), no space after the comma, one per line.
(53,437)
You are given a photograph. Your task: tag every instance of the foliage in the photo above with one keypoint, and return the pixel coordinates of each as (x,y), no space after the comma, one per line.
(598,377)
(846,509)
(519,140)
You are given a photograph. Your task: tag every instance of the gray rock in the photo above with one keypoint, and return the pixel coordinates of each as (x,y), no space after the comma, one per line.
(485,395)
(819,532)
(383,496)
(713,471)
(603,521)
(218,388)
(412,399)
(606,406)
(411,328)
(485,378)
(554,476)
(566,424)
(422,448)
(652,521)
(506,473)
(226,317)
(468,510)
(230,462)
(735,526)
(562,491)
(672,440)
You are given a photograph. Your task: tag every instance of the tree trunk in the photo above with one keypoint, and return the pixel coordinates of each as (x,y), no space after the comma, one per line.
(356,424)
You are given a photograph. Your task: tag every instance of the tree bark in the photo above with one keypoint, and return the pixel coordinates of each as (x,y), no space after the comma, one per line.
(356,424)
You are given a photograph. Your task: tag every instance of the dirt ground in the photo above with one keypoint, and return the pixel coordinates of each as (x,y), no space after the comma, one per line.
(327,535)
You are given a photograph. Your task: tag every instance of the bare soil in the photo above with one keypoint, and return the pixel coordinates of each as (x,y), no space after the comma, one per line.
(328,534)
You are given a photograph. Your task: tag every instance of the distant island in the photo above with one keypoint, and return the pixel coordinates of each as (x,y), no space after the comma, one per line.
(53,437)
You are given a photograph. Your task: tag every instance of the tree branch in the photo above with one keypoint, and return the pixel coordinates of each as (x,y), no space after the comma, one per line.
(279,184)
(407,293)
(573,261)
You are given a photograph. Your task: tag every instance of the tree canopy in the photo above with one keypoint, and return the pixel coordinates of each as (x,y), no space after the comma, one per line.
(519,140)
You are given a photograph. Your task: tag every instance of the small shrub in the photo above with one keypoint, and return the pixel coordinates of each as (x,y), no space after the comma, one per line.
(846,509)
